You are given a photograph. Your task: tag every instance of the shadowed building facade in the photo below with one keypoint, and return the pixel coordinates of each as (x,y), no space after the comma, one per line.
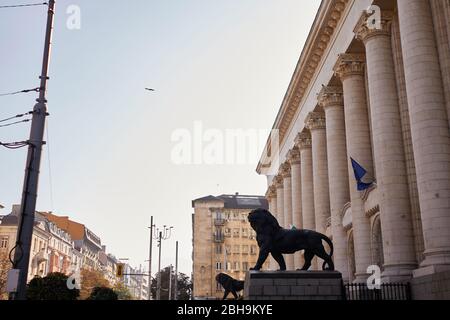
(373,86)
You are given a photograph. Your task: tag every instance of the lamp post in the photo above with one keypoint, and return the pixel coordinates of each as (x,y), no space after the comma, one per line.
(163,234)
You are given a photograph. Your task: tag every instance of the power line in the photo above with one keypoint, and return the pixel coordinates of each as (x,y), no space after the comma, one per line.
(13,123)
(16,116)
(24,5)
(21,91)
(14,145)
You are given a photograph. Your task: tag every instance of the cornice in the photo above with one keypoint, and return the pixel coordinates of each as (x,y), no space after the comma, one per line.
(327,19)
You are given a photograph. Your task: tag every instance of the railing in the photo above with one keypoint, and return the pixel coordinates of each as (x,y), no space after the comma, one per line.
(387,291)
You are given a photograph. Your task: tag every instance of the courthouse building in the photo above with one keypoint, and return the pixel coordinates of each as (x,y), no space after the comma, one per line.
(223,241)
(373,86)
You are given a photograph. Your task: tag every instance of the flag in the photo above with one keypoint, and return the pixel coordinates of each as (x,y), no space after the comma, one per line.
(360,172)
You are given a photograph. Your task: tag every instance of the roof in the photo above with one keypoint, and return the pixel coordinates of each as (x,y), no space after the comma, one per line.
(236,201)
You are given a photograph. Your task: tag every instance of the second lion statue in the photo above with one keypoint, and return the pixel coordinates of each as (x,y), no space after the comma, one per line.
(273,239)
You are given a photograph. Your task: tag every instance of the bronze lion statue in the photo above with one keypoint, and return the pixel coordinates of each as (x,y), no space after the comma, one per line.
(230,285)
(273,239)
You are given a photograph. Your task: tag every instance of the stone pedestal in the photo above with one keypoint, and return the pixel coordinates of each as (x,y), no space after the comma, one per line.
(293,285)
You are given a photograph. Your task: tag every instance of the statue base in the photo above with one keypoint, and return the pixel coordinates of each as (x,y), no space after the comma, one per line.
(293,285)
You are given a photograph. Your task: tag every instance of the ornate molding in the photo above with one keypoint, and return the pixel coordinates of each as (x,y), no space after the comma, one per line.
(271,192)
(328,17)
(331,96)
(364,31)
(349,64)
(316,121)
(303,141)
(285,170)
(371,212)
(294,156)
(278,182)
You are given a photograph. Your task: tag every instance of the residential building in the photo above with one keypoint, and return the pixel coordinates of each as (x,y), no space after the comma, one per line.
(85,241)
(223,240)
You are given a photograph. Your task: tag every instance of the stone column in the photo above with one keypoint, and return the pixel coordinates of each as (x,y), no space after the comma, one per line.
(303,142)
(429,128)
(296,173)
(350,68)
(389,152)
(286,174)
(315,122)
(279,185)
(332,100)
(271,197)
(441,10)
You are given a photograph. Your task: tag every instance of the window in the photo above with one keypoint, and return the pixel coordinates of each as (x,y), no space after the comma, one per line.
(245,232)
(4,242)
(219,215)
(245,266)
(228,266)
(228,249)
(227,232)
(218,249)
(253,250)
(244,249)
(236,233)
(236,249)
(236,266)
(34,245)
(218,265)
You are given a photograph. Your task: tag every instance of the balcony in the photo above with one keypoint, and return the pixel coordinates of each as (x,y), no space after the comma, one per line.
(219,222)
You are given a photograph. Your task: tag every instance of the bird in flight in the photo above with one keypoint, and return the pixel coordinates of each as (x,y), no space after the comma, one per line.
(149,89)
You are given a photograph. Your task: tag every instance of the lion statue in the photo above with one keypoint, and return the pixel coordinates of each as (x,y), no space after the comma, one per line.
(230,285)
(273,239)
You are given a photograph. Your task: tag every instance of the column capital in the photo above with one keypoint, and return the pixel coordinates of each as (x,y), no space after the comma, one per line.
(349,64)
(278,182)
(294,156)
(271,192)
(303,141)
(366,29)
(315,121)
(331,96)
(285,170)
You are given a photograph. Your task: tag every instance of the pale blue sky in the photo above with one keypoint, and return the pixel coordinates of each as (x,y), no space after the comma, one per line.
(226,63)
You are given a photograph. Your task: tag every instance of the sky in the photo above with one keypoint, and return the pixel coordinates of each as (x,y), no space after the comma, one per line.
(113,156)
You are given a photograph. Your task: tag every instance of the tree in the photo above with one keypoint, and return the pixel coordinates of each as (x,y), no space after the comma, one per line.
(123,293)
(5,266)
(184,285)
(52,287)
(91,279)
(102,293)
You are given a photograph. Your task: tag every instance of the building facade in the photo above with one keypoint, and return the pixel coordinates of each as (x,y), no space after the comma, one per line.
(372,84)
(223,241)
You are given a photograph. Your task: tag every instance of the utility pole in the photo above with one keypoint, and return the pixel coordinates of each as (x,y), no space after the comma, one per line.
(170,282)
(162,235)
(30,187)
(176,272)
(150,260)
